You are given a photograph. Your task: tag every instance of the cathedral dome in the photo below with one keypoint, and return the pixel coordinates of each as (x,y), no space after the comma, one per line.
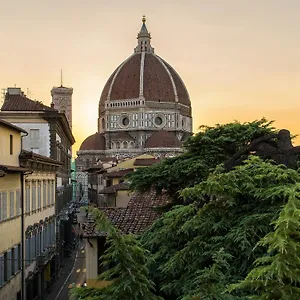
(93,142)
(145,75)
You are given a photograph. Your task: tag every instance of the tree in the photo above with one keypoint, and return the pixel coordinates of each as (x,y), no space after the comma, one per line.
(276,275)
(128,272)
(203,152)
(232,212)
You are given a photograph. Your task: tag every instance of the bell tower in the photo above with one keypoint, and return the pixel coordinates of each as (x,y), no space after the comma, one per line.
(62,100)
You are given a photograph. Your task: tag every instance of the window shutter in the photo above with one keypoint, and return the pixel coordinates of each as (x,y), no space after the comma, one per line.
(4,205)
(16,259)
(12,203)
(1,270)
(27,251)
(1,206)
(8,264)
(18,202)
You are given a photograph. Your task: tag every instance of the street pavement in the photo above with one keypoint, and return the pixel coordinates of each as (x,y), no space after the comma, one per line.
(73,272)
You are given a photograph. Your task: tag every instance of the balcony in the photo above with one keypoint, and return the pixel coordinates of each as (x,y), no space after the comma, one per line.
(43,258)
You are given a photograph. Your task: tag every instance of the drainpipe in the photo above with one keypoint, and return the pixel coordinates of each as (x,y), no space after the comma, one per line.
(23,285)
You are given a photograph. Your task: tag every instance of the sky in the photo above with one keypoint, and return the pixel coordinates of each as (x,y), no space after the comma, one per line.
(239,59)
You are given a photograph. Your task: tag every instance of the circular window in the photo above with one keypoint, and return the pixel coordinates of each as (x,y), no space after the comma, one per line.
(158,121)
(125,121)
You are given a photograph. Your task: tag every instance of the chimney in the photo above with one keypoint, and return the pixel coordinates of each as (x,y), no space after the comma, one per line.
(52,105)
(14,91)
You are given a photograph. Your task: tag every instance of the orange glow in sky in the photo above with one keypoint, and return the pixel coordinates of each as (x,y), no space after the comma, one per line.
(240,60)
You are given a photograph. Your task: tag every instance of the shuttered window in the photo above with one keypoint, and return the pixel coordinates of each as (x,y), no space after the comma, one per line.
(28,199)
(33,196)
(27,251)
(0,206)
(18,202)
(1,270)
(12,262)
(44,194)
(12,203)
(39,195)
(3,206)
(49,194)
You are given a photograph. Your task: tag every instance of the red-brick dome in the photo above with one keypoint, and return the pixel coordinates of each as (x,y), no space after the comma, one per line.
(93,142)
(145,75)
(163,139)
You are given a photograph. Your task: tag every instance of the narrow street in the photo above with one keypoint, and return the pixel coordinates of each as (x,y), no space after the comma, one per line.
(73,272)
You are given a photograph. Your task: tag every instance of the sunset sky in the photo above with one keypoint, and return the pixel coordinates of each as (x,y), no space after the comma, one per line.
(239,59)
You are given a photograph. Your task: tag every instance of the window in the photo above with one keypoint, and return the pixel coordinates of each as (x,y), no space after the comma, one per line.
(12,262)
(18,202)
(44,194)
(48,194)
(39,196)
(33,196)
(28,198)
(11,144)
(2,281)
(12,203)
(3,205)
(34,134)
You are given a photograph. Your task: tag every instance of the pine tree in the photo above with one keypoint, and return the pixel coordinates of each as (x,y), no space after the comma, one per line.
(277,274)
(128,272)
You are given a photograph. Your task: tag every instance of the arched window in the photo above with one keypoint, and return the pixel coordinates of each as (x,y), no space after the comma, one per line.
(118,145)
(125,145)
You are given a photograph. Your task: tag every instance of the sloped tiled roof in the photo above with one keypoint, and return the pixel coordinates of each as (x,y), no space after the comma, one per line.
(122,186)
(136,217)
(22,103)
(146,161)
(119,173)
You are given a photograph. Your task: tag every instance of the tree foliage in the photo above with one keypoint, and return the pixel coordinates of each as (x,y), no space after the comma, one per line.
(232,211)
(128,272)
(235,234)
(203,152)
(276,275)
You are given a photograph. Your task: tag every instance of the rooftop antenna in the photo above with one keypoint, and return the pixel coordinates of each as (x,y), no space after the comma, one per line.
(61,78)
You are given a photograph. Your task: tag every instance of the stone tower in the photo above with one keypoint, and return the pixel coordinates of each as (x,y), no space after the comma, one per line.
(62,100)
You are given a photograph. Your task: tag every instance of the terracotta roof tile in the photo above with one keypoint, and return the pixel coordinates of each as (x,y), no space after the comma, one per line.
(163,139)
(136,217)
(122,186)
(146,161)
(127,82)
(94,142)
(157,84)
(22,103)
(119,173)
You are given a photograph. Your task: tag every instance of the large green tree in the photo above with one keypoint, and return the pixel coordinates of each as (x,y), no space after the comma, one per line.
(128,272)
(202,153)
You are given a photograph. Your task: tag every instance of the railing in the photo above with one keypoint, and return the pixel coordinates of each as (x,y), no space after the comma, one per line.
(43,258)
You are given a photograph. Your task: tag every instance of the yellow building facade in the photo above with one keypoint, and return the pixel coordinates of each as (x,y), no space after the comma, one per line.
(10,210)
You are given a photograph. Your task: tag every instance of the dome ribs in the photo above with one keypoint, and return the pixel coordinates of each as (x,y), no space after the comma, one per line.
(157,83)
(127,83)
(182,93)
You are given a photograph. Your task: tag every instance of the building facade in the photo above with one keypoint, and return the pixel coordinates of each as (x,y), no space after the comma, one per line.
(11,176)
(39,223)
(144,108)
(49,134)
